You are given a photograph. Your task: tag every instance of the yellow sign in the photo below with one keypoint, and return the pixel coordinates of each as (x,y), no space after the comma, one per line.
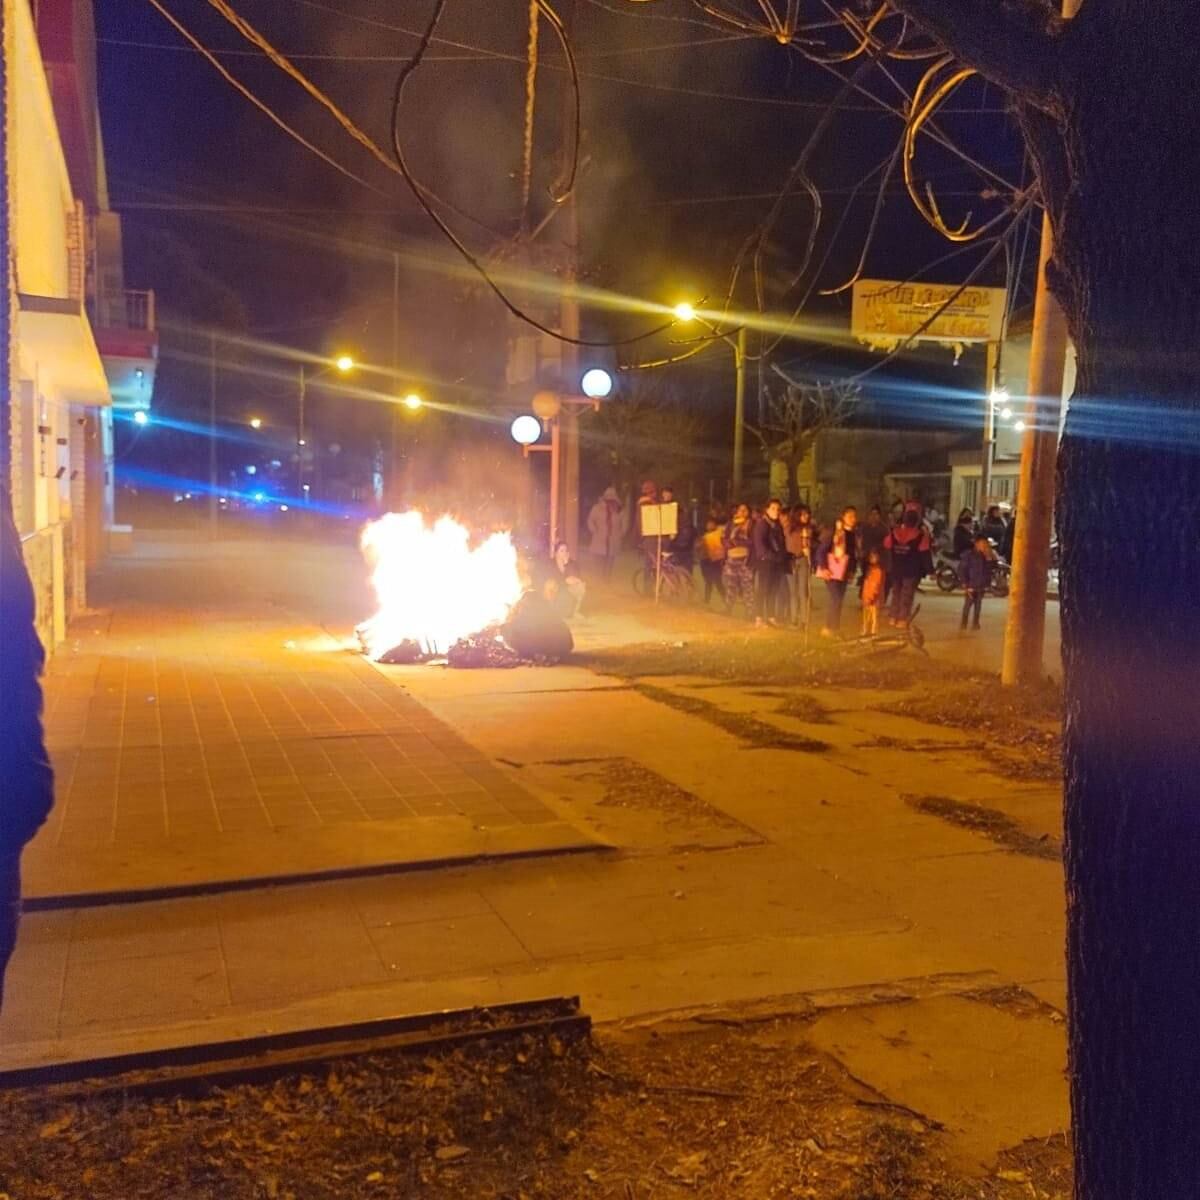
(886,312)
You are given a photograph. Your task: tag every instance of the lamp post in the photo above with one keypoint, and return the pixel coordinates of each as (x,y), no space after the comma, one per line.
(344,364)
(685,313)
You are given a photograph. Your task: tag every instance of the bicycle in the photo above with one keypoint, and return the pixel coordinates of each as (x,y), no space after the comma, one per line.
(675,582)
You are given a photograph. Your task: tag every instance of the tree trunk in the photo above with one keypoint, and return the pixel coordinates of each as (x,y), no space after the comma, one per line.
(1128,268)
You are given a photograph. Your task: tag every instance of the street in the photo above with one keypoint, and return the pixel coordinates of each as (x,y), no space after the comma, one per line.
(341,840)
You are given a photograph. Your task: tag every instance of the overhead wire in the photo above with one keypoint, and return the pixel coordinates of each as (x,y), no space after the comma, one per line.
(259,104)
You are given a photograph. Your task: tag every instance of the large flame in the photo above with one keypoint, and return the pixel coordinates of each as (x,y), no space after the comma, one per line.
(432,587)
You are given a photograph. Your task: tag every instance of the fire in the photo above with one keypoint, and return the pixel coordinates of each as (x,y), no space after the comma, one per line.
(432,587)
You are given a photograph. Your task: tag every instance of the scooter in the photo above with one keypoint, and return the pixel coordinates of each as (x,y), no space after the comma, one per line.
(945,572)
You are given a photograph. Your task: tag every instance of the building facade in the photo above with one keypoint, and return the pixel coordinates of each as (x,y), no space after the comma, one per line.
(80,341)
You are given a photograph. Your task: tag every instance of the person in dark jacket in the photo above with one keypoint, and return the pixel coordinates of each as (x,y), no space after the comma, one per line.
(870,536)
(975,574)
(964,533)
(993,525)
(770,562)
(801,544)
(683,545)
(911,559)
(26,778)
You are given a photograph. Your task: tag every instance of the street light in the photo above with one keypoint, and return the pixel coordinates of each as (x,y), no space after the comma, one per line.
(141,417)
(412,402)
(596,383)
(344,363)
(685,312)
(256,422)
(525,430)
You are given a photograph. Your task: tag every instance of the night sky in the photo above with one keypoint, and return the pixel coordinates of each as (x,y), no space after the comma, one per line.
(219,203)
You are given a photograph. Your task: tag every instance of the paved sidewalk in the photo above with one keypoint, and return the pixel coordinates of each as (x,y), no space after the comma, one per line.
(203,733)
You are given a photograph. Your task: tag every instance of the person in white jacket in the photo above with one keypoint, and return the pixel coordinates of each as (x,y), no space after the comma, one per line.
(607,524)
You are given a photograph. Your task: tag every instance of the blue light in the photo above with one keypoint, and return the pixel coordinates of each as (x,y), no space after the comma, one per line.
(259,497)
(252,470)
(141,417)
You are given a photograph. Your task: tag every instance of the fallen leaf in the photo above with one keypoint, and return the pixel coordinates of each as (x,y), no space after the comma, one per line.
(53,1128)
(450,1153)
(375,1177)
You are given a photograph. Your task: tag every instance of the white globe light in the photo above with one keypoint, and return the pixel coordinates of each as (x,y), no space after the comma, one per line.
(141,417)
(525,430)
(596,383)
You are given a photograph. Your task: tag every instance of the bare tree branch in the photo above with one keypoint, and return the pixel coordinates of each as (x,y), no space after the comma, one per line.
(1013,44)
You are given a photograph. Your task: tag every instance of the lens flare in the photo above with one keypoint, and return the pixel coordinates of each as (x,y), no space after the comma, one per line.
(431,585)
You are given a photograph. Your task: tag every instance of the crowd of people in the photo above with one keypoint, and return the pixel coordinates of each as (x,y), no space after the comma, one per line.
(766,562)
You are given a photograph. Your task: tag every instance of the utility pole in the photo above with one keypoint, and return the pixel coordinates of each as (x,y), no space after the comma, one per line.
(392,491)
(569,324)
(212,434)
(739,412)
(989,427)
(301,440)
(1025,628)
(569,327)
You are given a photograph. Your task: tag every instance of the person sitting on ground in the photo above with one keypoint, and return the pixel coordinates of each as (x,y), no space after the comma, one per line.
(975,574)
(571,587)
(534,628)
(964,533)
(910,555)
(712,559)
(737,575)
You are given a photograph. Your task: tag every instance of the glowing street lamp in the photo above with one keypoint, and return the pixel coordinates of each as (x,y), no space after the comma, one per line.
(596,383)
(141,417)
(413,402)
(684,311)
(256,422)
(344,363)
(525,430)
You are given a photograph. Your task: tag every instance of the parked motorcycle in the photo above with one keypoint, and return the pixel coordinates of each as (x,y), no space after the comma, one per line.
(945,573)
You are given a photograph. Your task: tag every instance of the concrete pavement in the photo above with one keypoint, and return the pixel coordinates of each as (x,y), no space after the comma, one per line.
(743,871)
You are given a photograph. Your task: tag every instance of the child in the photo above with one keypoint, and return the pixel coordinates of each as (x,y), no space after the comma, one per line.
(712,559)
(975,573)
(872,594)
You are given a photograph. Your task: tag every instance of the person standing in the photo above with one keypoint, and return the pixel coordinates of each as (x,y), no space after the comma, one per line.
(770,562)
(682,545)
(737,575)
(870,537)
(800,552)
(964,533)
(910,555)
(837,562)
(872,593)
(993,526)
(975,574)
(607,524)
(712,559)
(26,777)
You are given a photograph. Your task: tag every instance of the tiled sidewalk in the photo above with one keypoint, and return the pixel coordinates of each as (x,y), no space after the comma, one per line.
(201,743)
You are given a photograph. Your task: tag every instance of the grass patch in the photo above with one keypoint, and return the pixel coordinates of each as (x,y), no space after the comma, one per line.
(767,661)
(748,729)
(996,826)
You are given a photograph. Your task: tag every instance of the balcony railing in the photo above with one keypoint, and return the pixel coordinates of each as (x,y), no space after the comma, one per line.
(127,310)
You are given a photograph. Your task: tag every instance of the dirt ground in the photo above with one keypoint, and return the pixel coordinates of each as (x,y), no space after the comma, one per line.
(731,1104)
